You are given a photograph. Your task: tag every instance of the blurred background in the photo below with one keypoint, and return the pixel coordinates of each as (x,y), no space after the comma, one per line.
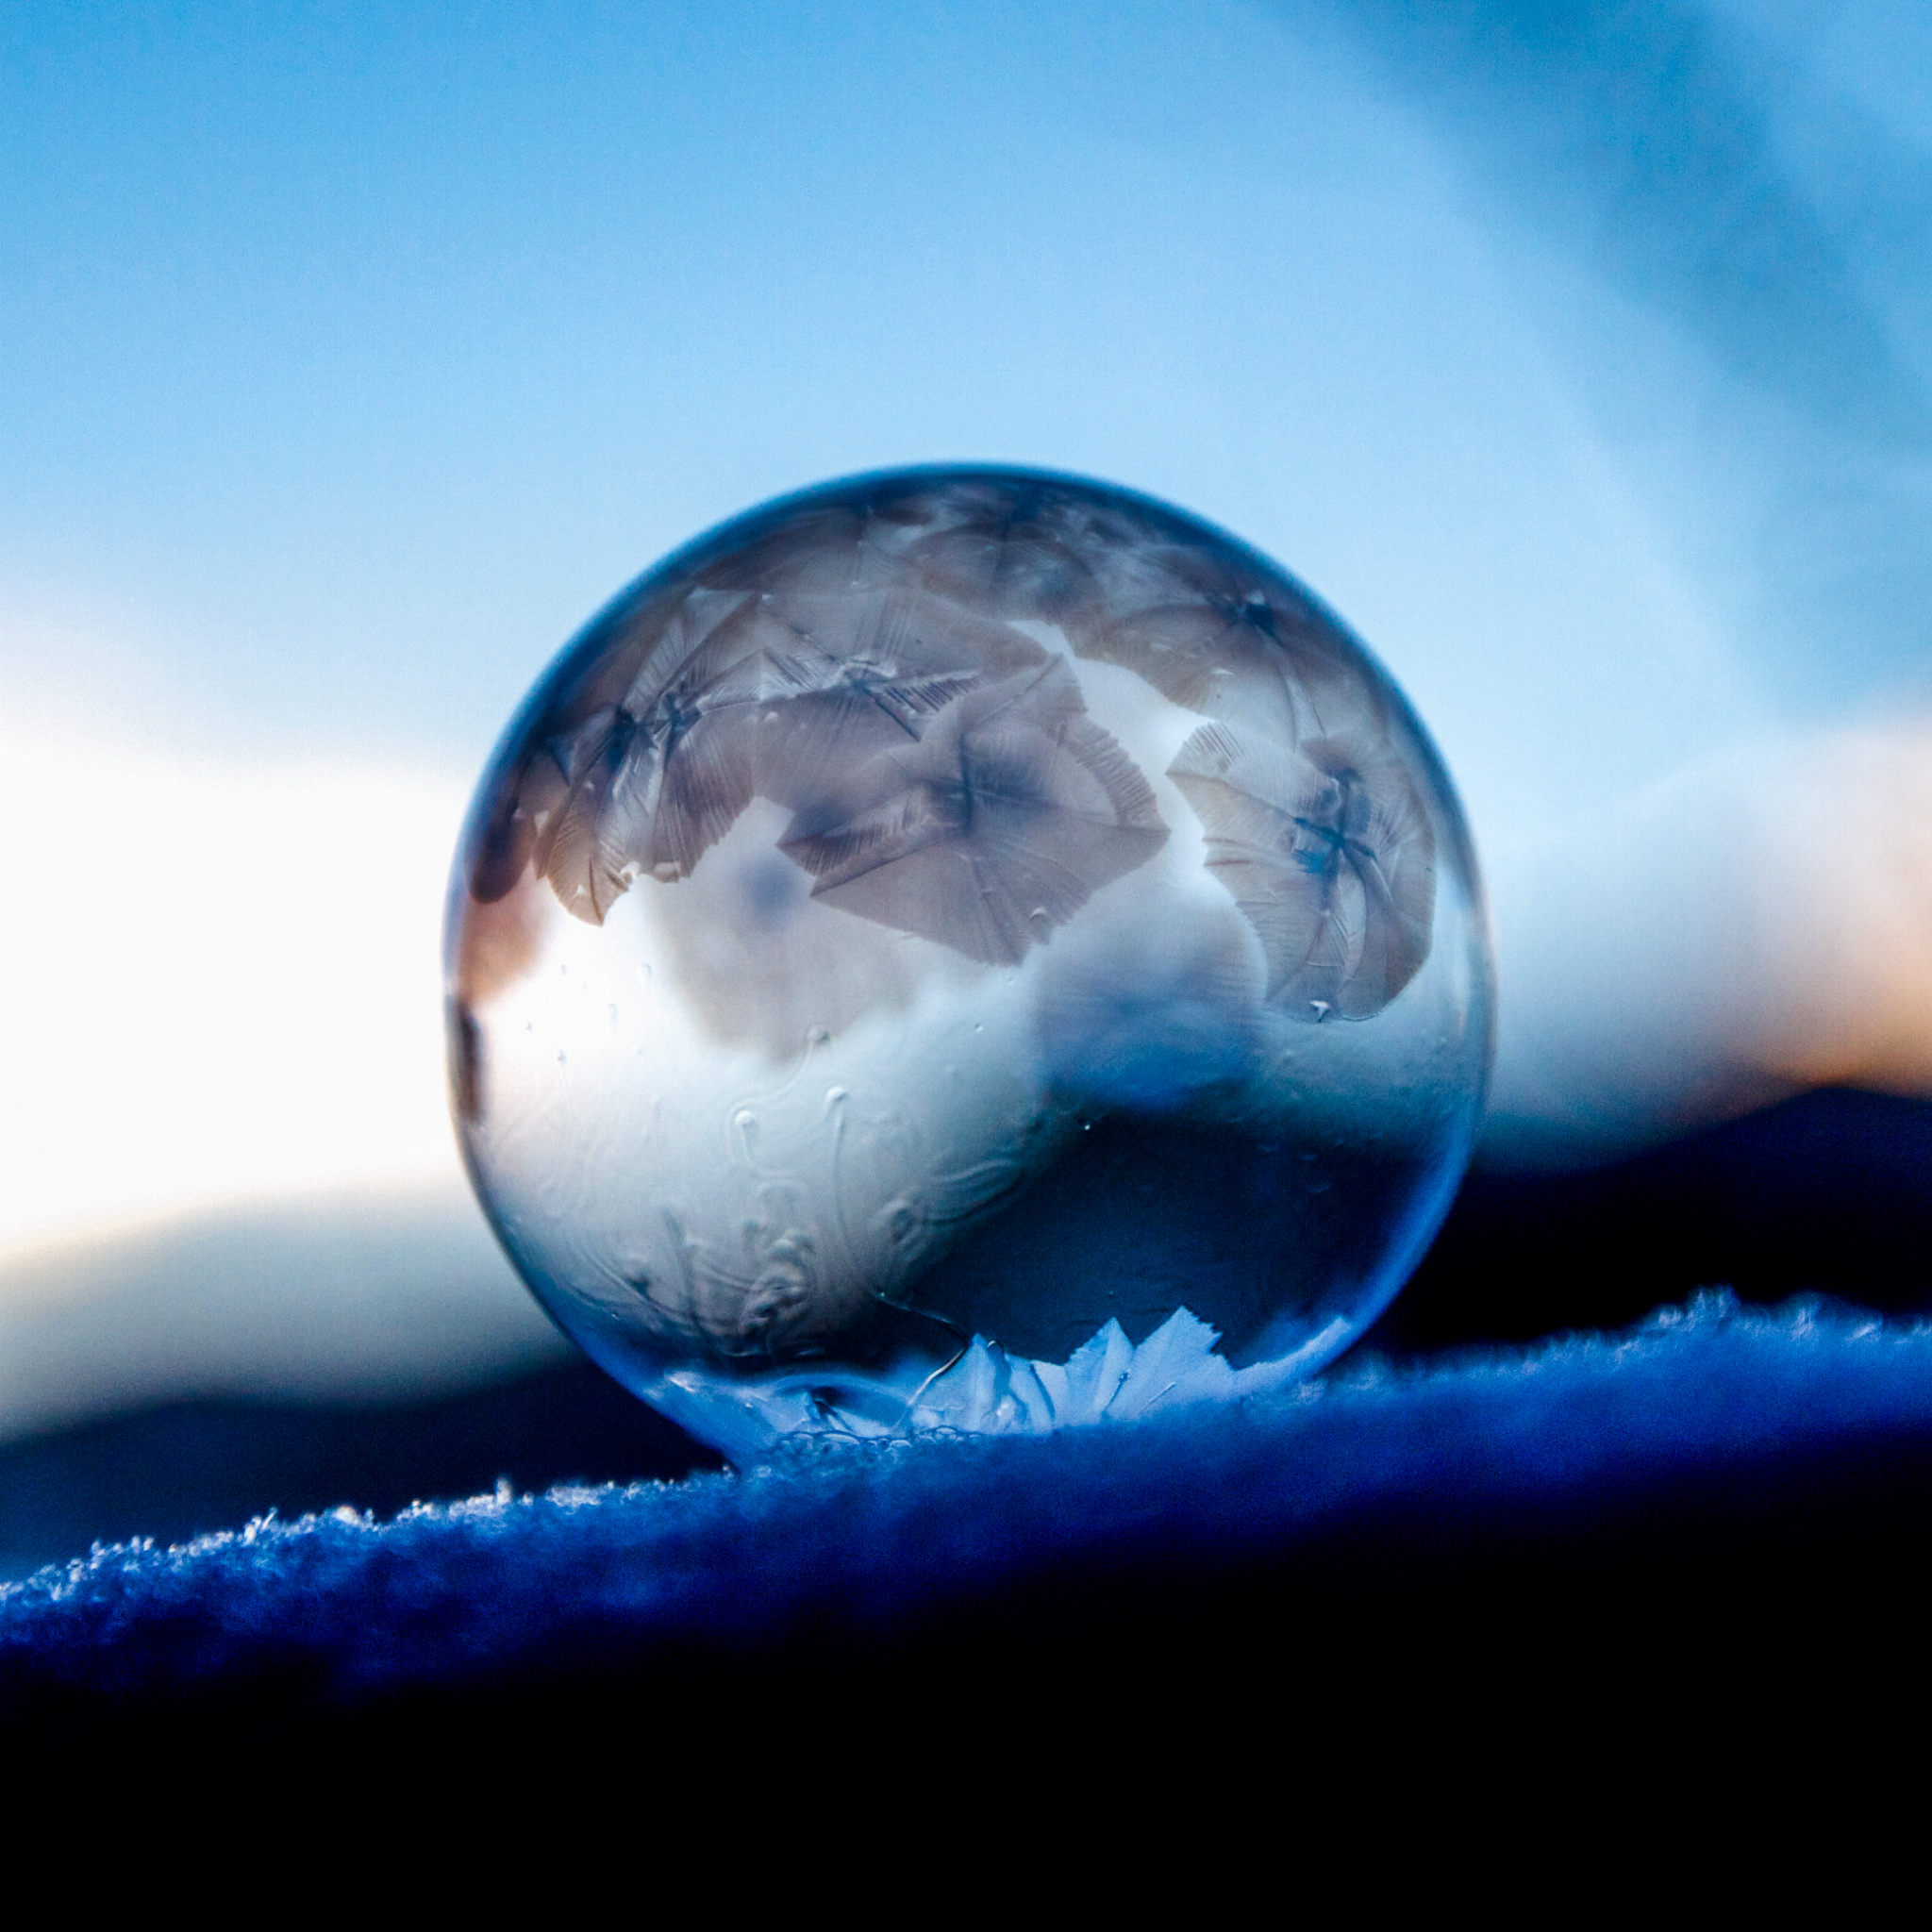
(1579,353)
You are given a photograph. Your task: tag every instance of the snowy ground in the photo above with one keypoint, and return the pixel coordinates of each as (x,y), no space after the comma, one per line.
(1685,1427)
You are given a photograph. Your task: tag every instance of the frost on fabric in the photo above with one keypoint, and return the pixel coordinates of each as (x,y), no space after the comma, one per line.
(1711,1408)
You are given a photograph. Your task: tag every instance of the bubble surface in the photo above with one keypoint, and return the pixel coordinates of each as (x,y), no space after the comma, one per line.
(964,948)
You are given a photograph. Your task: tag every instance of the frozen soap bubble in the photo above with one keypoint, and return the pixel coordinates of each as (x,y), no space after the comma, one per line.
(964,948)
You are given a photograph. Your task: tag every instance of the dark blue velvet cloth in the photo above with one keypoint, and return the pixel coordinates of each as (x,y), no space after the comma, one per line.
(1684,1431)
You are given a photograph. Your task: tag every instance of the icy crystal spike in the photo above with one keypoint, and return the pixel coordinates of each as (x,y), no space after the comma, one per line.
(948,940)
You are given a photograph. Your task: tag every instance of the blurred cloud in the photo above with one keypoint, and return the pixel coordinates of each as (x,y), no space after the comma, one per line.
(362,1294)
(1649,140)
(224,980)
(1755,924)
(1733,208)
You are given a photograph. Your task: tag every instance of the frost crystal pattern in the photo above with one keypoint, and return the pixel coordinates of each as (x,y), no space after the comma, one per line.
(947,940)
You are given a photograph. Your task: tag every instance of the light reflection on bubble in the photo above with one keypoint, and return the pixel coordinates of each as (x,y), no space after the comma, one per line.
(964,948)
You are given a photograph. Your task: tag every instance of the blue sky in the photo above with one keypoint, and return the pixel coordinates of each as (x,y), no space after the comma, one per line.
(353,356)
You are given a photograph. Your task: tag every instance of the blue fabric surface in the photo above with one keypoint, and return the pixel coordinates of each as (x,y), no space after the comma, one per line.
(1716,1410)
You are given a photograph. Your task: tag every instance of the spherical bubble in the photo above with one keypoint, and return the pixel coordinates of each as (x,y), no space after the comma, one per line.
(970,949)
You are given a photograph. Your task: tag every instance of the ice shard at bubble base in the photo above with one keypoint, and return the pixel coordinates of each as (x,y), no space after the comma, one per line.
(964,948)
